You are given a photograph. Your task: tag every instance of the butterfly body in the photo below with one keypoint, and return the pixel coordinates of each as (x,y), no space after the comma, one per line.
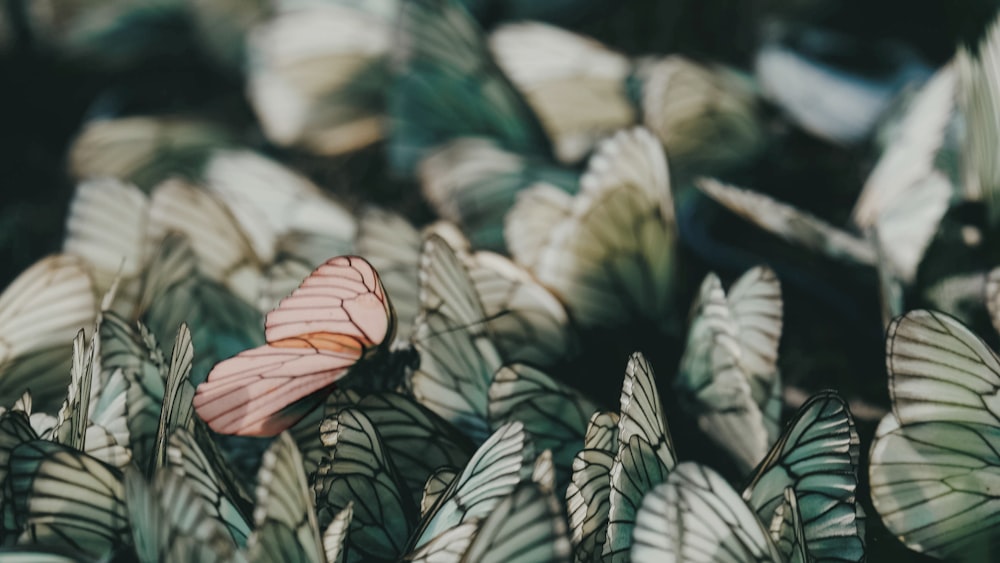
(338,322)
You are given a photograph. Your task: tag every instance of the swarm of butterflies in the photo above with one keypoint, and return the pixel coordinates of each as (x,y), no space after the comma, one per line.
(510,362)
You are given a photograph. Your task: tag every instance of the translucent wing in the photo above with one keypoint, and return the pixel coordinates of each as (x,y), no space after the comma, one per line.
(335,535)
(602,432)
(642,412)
(40,312)
(74,416)
(979,101)
(269,200)
(222,250)
(605,272)
(553,414)
(697,516)
(144,150)
(527,525)
(574,84)
(71,499)
(493,472)
(909,159)
(318,76)
(342,298)
(206,471)
(705,115)
(174,293)
(729,365)
(169,521)
(265,390)
(473,182)
(789,223)
(417,440)
(457,357)
(528,224)
(786,530)
(930,483)
(284,517)
(756,305)
(587,502)
(132,352)
(817,457)
(15,429)
(177,410)
(361,472)
(448,86)
(635,471)
(448,546)
(437,484)
(933,458)
(106,226)
(644,458)
(528,323)
(939,370)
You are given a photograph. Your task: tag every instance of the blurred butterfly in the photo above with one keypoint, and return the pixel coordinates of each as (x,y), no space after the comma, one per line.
(40,312)
(584,91)
(979,103)
(338,322)
(798,68)
(729,368)
(934,459)
(609,251)
(285,522)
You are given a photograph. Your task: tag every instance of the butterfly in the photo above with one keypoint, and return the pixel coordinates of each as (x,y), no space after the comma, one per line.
(933,459)
(318,74)
(729,368)
(584,91)
(40,312)
(338,319)
(144,151)
(979,103)
(609,251)
(696,516)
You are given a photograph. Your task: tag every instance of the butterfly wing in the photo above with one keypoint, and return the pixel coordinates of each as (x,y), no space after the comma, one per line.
(696,516)
(337,315)
(934,458)
(448,86)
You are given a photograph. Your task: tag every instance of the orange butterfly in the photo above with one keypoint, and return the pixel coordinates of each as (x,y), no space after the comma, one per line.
(338,317)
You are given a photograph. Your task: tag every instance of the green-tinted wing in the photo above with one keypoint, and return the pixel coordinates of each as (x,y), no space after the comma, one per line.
(587,502)
(553,414)
(170,521)
(528,525)
(696,516)
(205,470)
(284,517)
(40,312)
(786,530)
(71,499)
(177,410)
(132,352)
(448,86)
(221,324)
(437,484)
(360,471)
(416,440)
(335,535)
(457,357)
(494,470)
(817,457)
